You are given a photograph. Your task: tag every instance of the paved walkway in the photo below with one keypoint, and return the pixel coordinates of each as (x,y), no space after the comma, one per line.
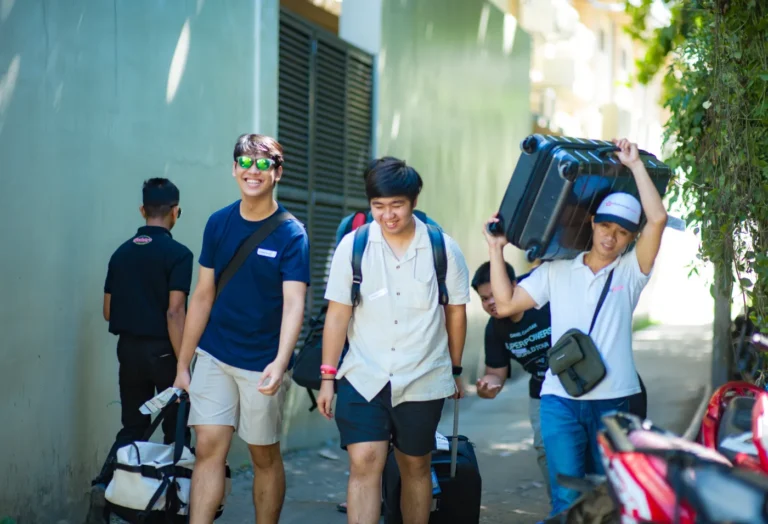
(673,361)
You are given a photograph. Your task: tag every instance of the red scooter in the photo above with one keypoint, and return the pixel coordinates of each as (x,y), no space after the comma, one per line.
(656,476)
(729,423)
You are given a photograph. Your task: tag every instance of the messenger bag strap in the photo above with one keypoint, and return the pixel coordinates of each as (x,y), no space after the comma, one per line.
(247,247)
(606,288)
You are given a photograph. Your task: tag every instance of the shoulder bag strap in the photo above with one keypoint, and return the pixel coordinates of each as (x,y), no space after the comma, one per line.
(606,288)
(358,248)
(440,257)
(247,247)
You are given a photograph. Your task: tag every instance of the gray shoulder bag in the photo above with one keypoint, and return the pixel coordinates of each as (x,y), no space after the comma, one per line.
(575,358)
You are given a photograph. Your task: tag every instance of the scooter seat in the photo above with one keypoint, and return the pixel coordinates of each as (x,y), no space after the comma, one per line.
(734,435)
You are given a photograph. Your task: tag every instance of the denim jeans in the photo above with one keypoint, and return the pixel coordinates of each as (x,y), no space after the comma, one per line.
(569,430)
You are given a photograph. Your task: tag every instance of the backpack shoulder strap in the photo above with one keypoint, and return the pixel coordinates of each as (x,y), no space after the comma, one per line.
(358,248)
(440,258)
(247,247)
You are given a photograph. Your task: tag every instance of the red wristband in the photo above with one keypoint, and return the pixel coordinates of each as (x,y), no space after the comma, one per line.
(328,370)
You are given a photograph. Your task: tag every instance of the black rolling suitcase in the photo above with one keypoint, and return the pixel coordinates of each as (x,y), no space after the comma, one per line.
(556,187)
(456,483)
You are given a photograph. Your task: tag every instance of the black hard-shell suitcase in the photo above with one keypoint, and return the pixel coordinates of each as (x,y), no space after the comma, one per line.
(460,487)
(556,187)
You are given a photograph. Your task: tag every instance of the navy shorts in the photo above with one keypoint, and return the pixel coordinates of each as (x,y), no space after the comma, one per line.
(410,425)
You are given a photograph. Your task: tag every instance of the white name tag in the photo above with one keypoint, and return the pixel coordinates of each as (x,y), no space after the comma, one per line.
(266,253)
(380,293)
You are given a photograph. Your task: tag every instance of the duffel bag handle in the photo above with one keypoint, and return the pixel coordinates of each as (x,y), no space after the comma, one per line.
(182,417)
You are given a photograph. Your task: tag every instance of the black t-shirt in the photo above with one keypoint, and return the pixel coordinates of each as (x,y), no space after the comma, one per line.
(141,275)
(526,341)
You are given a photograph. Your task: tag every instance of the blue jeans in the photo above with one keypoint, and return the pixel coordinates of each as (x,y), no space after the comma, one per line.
(569,430)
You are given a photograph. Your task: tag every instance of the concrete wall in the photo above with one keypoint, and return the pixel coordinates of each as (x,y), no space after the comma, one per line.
(453,101)
(95,97)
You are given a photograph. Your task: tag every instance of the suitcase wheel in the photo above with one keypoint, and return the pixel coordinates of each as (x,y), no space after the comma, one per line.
(533,252)
(529,144)
(568,170)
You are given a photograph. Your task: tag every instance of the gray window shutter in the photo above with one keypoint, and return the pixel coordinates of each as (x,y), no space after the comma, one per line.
(325,95)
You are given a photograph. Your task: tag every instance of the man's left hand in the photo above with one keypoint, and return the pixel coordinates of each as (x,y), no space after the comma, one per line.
(628,154)
(459,388)
(271,378)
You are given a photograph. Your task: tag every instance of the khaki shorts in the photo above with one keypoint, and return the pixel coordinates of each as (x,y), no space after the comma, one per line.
(224,395)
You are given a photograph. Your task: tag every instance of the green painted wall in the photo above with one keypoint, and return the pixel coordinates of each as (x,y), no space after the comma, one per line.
(86,114)
(85,117)
(454,103)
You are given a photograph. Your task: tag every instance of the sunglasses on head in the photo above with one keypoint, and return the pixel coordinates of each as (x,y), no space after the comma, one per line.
(262,164)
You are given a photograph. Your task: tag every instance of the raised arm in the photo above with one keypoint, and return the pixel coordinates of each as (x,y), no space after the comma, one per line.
(510,300)
(649,242)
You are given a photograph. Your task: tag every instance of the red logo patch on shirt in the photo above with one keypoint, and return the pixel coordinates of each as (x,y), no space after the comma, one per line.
(142,240)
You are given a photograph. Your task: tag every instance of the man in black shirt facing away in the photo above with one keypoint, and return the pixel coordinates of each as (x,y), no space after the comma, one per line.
(145,297)
(525,338)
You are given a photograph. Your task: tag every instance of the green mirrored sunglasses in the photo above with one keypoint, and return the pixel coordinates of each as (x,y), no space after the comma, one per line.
(262,164)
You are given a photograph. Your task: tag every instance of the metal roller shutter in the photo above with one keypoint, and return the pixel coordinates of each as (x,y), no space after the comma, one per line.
(325,95)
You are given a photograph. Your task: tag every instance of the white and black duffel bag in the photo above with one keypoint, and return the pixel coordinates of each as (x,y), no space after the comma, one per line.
(150,482)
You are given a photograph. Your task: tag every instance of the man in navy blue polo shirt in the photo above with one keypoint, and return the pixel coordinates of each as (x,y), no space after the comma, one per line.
(244,337)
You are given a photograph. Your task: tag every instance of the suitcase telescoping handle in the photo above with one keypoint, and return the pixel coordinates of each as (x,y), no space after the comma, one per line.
(455,439)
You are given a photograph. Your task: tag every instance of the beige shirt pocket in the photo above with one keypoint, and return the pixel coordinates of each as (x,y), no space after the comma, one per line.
(422,289)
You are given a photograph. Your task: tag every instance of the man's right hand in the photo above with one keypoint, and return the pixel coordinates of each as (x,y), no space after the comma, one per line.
(182,379)
(494,241)
(488,386)
(325,399)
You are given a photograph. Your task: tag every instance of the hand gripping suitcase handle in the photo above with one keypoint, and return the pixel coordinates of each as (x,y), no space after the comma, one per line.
(455,439)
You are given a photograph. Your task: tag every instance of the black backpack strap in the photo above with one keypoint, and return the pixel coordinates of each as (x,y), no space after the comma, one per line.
(358,248)
(247,247)
(606,288)
(440,257)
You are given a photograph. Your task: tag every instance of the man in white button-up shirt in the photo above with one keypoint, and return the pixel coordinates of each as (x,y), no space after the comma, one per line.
(405,348)
(572,288)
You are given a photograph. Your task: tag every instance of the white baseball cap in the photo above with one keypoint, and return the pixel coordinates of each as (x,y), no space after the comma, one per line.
(622,209)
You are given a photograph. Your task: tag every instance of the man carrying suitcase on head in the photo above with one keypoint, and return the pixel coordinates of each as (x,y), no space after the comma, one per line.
(592,299)
(405,344)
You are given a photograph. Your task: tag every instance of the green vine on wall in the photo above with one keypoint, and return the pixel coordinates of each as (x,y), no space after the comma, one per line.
(715,57)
